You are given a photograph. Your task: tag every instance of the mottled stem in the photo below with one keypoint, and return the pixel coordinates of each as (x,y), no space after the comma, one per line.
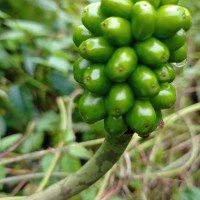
(103,160)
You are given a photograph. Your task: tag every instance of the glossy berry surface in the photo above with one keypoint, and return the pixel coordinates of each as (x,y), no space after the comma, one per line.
(128,51)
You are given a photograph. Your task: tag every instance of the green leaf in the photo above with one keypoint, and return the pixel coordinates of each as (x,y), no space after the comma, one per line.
(135,185)
(59,63)
(192,193)
(89,194)
(115,198)
(9,141)
(5,59)
(47,5)
(2,174)
(49,122)
(61,54)
(32,143)
(12,35)
(3,15)
(76,197)
(29,65)
(46,162)
(53,45)
(21,102)
(33,28)
(69,136)
(11,45)
(3,127)
(69,164)
(60,83)
(38,60)
(79,152)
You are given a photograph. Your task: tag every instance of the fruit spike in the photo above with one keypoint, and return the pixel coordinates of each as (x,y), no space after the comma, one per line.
(128,59)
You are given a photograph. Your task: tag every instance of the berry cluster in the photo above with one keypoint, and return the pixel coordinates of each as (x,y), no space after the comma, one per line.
(127,50)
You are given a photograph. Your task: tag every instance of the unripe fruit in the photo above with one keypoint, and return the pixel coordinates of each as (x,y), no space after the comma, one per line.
(92,107)
(176,41)
(95,79)
(165,98)
(92,17)
(96,49)
(158,121)
(115,126)
(165,73)
(144,82)
(81,33)
(128,52)
(168,2)
(179,55)
(122,8)
(152,52)
(122,63)
(141,117)
(154,3)
(78,69)
(170,19)
(117,30)
(143,16)
(120,99)
(188,21)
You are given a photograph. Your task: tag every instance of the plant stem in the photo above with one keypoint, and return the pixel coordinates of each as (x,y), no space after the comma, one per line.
(27,177)
(103,186)
(38,154)
(11,198)
(103,160)
(50,170)
(27,134)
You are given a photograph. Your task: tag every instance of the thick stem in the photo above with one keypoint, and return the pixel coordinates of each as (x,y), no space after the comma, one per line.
(105,157)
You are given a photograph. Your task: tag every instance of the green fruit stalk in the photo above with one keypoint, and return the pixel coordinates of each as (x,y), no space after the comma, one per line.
(128,49)
(127,62)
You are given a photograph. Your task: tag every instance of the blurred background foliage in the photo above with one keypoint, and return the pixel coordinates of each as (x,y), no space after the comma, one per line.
(38,112)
